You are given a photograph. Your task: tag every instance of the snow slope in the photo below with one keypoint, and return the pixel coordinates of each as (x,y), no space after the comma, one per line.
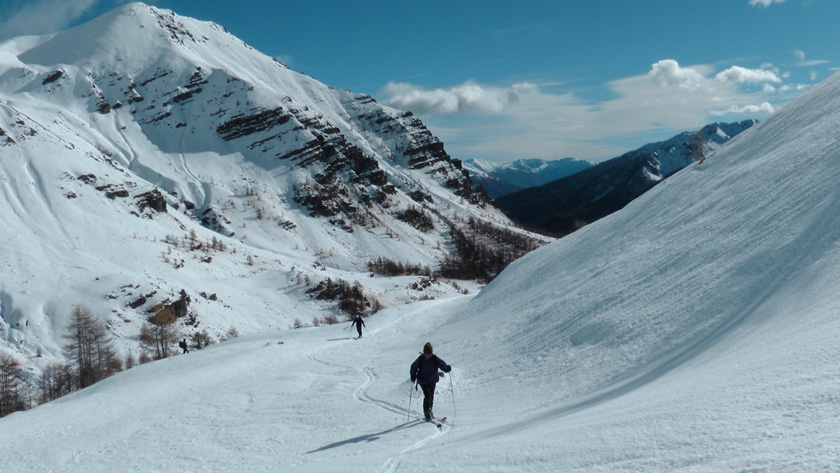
(698,338)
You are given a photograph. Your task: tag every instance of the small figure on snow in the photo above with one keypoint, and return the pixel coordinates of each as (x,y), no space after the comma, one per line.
(359,323)
(183,345)
(424,371)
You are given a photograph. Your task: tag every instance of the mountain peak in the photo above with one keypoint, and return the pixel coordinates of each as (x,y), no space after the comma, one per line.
(135,33)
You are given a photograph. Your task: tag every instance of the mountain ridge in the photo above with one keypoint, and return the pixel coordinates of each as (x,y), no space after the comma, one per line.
(564,205)
(500,179)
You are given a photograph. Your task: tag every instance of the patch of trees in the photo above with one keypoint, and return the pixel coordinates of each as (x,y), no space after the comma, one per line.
(474,259)
(159,334)
(12,396)
(89,349)
(92,357)
(90,353)
(516,242)
(481,253)
(389,267)
(351,298)
(417,218)
(479,261)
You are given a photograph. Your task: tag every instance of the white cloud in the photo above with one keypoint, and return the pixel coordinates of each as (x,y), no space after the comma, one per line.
(812,63)
(527,121)
(467,97)
(668,72)
(752,109)
(794,88)
(765,3)
(35,17)
(801,61)
(742,75)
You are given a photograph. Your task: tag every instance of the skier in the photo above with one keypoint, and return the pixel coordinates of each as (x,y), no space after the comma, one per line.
(358,322)
(183,345)
(424,371)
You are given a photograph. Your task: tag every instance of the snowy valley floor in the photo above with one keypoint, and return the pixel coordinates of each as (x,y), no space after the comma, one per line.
(320,401)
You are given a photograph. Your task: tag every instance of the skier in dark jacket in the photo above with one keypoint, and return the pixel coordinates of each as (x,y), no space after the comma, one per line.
(424,371)
(358,322)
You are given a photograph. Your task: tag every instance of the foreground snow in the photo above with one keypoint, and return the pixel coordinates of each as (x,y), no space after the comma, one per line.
(764,398)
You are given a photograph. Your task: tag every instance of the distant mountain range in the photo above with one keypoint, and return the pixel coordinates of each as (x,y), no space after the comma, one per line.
(500,179)
(566,204)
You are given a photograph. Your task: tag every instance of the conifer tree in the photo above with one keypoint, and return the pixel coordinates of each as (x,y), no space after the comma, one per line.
(89,350)
(11,399)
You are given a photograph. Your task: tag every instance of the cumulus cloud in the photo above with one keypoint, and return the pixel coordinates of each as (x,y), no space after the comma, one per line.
(467,97)
(33,17)
(668,72)
(765,3)
(742,75)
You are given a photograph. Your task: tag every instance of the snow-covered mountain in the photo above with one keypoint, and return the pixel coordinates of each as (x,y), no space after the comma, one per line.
(148,158)
(566,204)
(500,179)
(695,330)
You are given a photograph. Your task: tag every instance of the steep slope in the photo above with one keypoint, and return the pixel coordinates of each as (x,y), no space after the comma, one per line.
(698,338)
(566,204)
(148,158)
(640,292)
(501,179)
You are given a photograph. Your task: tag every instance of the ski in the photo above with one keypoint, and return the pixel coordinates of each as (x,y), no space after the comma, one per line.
(438,422)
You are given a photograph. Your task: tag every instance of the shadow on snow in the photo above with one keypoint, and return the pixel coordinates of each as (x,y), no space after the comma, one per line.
(366,438)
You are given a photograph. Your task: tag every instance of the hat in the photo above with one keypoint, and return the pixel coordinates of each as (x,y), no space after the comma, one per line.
(427,348)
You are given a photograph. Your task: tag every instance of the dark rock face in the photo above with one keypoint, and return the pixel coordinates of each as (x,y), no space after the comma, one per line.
(245,125)
(152,199)
(54,76)
(180,307)
(5,139)
(418,148)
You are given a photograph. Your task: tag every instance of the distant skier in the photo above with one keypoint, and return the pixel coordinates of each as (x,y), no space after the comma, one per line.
(424,370)
(183,345)
(359,323)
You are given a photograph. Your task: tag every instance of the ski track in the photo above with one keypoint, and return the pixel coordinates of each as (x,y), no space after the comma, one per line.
(361,394)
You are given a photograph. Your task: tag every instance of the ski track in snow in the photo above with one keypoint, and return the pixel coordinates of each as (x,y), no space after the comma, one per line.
(362,394)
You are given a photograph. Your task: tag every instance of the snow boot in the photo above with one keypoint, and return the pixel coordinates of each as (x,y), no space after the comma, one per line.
(428,415)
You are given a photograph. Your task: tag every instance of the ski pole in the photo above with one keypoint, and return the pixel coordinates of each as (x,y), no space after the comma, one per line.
(454,411)
(410,395)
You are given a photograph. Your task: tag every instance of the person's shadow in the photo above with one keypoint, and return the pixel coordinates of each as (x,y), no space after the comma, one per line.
(366,438)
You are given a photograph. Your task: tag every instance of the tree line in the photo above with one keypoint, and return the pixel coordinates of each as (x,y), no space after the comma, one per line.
(91,357)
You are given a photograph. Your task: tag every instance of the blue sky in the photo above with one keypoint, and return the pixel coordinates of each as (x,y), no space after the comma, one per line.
(544,79)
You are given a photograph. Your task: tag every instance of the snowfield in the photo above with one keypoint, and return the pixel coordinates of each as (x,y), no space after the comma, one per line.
(693,331)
